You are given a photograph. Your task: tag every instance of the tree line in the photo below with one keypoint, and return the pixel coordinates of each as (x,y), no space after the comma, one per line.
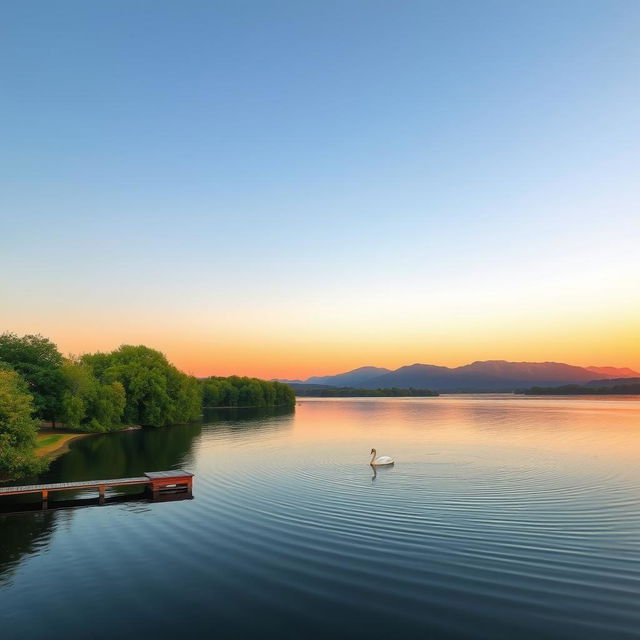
(101,392)
(236,391)
(581,390)
(322,391)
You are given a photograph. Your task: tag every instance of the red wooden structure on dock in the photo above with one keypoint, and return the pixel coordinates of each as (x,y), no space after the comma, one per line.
(156,482)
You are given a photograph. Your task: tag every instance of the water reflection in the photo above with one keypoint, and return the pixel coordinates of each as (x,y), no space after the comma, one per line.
(504,517)
(381,471)
(239,423)
(22,536)
(131,453)
(26,528)
(126,454)
(142,497)
(246,417)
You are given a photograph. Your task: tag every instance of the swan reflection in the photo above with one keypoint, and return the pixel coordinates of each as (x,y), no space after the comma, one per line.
(380,471)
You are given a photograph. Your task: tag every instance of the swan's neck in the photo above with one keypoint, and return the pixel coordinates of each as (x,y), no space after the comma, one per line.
(373,456)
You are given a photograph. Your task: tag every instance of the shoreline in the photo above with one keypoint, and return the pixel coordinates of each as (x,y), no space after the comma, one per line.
(52,443)
(252,406)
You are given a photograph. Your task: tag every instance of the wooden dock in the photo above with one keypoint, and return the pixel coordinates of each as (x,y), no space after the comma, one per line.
(156,482)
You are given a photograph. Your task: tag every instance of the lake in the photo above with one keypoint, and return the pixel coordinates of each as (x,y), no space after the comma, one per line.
(503,517)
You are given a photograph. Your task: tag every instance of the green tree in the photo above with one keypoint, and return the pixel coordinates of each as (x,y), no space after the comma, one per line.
(18,429)
(107,406)
(80,386)
(285,395)
(39,362)
(87,403)
(211,393)
(157,394)
(236,391)
(268,393)
(251,394)
(229,394)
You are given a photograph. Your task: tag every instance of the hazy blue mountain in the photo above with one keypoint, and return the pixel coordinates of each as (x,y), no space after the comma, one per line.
(503,370)
(413,375)
(481,376)
(350,378)
(614,372)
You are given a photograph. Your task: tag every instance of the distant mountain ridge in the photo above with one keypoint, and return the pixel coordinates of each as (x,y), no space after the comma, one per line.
(350,378)
(479,376)
(614,372)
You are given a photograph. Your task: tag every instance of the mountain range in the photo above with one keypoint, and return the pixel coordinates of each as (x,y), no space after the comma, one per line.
(479,376)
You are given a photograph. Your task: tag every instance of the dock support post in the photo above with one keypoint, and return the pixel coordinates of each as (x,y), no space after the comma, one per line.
(45,498)
(101,491)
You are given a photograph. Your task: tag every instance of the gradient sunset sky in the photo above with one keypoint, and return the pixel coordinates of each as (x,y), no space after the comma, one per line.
(289,188)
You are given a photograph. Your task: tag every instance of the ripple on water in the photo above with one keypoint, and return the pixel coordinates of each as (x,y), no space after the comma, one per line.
(457,542)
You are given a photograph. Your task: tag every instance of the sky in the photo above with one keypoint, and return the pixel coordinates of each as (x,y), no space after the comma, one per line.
(286,188)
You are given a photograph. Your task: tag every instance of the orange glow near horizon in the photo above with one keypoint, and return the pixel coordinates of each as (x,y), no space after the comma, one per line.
(316,332)
(297,353)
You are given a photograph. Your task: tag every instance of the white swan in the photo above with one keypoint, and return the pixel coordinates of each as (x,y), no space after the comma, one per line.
(381,461)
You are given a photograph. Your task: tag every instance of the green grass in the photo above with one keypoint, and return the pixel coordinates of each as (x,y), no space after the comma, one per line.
(47,440)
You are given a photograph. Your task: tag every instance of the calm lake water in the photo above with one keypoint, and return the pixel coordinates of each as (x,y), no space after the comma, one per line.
(504,517)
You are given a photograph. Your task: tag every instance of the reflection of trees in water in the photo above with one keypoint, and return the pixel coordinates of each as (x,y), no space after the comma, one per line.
(119,455)
(131,453)
(22,535)
(242,419)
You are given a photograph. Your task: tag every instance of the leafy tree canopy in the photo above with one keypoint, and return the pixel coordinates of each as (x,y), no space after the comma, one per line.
(39,362)
(103,392)
(156,393)
(89,404)
(236,391)
(17,428)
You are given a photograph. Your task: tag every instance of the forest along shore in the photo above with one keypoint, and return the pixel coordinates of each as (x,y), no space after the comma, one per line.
(102,393)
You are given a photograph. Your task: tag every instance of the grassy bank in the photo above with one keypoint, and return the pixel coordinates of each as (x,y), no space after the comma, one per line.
(51,444)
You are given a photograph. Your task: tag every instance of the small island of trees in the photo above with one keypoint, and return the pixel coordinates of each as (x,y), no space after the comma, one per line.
(102,392)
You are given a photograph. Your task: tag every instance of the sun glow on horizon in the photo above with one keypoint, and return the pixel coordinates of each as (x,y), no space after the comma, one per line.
(276,356)
(453,184)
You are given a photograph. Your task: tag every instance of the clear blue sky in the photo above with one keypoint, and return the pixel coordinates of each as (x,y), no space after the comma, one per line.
(391,175)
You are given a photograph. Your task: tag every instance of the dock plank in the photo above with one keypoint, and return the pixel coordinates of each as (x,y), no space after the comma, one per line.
(88,484)
(148,478)
(168,474)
